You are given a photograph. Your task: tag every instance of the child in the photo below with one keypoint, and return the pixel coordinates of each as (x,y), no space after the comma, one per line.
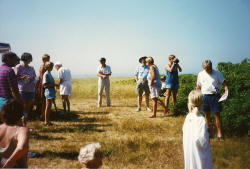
(90,156)
(163,86)
(197,149)
(49,92)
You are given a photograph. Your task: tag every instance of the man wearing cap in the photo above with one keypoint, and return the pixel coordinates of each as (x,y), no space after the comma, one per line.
(141,74)
(8,78)
(65,83)
(103,72)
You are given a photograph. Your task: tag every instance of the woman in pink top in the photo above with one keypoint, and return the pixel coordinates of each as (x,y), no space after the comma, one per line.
(26,82)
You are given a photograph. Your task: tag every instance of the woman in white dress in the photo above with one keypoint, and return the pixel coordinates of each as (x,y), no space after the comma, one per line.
(196,145)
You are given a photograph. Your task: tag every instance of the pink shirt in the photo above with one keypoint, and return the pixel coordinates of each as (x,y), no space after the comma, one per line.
(27,85)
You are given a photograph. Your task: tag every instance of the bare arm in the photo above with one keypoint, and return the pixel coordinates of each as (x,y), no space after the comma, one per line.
(21,148)
(100,74)
(152,72)
(225,86)
(170,68)
(179,68)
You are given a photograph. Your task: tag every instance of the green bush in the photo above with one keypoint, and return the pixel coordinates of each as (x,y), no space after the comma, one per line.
(235,114)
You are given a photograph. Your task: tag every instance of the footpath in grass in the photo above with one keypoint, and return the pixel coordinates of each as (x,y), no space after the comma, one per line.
(129,139)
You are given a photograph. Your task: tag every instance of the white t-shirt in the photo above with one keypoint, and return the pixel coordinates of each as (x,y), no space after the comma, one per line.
(104,70)
(196,146)
(64,74)
(210,83)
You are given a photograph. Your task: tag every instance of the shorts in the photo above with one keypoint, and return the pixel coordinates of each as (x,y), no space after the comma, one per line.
(211,103)
(154,92)
(50,93)
(173,86)
(66,88)
(27,95)
(2,101)
(142,86)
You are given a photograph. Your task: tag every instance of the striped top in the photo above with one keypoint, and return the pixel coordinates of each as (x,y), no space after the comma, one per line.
(8,80)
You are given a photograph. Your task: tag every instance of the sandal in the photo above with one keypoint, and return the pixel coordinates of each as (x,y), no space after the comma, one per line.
(48,124)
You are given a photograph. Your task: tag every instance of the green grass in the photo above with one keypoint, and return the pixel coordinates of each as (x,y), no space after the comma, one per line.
(129,139)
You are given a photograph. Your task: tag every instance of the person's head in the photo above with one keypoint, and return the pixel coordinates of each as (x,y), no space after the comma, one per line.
(171,58)
(142,60)
(207,66)
(163,78)
(12,112)
(103,61)
(91,156)
(26,58)
(150,60)
(46,58)
(195,101)
(58,65)
(10,59)
(49,66)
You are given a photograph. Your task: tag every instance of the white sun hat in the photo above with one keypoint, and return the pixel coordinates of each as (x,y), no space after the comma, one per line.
(58,64)
(87,153)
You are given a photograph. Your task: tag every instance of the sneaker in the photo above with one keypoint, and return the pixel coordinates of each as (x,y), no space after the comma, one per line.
(138,109)
(148,109)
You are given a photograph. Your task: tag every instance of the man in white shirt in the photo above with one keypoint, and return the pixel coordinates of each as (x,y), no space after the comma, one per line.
(209,82)
(103,72)
(65,83)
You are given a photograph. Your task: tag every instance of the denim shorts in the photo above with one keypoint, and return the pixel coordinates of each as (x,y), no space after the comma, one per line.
(211,103)
(173,86)
(28,95)
(50,93)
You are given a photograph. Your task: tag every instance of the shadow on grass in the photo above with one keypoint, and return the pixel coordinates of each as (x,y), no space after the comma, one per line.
(80,128)
(39,137)
(62,155)
(95,113)
(64,117)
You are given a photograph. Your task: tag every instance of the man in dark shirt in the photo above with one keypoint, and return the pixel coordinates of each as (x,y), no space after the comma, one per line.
(8,79)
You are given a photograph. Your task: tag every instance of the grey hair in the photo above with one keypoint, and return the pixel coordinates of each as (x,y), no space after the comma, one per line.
(207,63)
(87,153)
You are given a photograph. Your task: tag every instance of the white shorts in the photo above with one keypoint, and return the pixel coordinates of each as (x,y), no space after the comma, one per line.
(66,88)
(154,92)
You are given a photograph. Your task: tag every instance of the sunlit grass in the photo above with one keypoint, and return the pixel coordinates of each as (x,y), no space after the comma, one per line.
(129,139)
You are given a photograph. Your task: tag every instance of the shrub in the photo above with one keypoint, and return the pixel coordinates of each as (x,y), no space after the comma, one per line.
(235,114)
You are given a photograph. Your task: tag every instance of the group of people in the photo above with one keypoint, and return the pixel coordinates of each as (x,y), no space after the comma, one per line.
(19,91)
(19,88)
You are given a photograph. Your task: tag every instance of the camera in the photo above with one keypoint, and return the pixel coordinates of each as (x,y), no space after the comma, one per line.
(176,60)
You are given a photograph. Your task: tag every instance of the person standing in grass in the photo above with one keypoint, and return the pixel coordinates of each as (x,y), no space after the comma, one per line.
(49,92)
(103,72)
(209,82)
(8,79)
(26,82)
(141,74)
(172,79)
(196,145)
(154,82)
(40,98)
(65,83)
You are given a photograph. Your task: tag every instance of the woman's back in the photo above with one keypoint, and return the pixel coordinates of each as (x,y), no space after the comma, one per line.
(172,77)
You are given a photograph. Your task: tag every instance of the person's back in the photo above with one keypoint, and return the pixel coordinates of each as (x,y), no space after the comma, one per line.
(65,74)
(196,146)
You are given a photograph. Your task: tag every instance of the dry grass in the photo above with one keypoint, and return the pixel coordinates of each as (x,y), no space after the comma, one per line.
(128,139)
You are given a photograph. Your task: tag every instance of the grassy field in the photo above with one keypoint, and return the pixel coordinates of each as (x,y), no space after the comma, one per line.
(129,139)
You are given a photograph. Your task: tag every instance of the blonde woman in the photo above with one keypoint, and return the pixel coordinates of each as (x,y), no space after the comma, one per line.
(154,83)
(49,91)
(197,149)
(172,80)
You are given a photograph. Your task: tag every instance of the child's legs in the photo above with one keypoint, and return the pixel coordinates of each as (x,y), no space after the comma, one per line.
(47,109)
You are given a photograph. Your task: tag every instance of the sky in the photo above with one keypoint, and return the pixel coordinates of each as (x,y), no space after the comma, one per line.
(79,32)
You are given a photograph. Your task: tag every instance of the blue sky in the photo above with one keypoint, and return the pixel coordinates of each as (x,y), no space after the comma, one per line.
(78,32)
